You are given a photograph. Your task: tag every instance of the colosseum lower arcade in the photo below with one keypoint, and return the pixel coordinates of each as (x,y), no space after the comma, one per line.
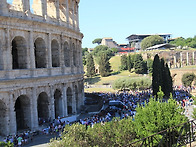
(41,71)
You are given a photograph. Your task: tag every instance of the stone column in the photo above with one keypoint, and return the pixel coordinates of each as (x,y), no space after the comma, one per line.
(51,104)
(8,65)
(26,7)
(169,64)
(12,115)
(73,99)
(49,64)
(3,7)
(73,13)
(34,112)
(193,58)
(80,57)
(67,12)
(57,11)
(174,61)
(44,9)
(181,61)
(77,17)
(65,100)
(32,53)
(187,58)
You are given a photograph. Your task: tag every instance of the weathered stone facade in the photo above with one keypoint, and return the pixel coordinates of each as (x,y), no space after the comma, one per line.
(41,72)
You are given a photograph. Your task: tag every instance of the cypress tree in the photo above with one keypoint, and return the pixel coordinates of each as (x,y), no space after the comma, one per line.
(139,64)
(104,65)
(90,66)
(129,62)
(169,81)
(156,70)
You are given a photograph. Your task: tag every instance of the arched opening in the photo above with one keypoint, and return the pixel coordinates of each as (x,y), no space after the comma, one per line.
(36,7)
(58,101)
(51,5)
(42,108)
(66,54)
(77,99)
(69,101)
(3,113)
(40,53)
(55,53)
(23,112)
(74,54)
(19,53)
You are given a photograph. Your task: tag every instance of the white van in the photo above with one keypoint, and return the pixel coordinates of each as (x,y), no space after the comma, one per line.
(118,104)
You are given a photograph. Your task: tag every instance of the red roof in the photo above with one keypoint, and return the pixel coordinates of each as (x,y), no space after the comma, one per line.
(128,49)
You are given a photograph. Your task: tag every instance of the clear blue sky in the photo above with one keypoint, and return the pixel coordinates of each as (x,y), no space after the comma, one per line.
(120,18)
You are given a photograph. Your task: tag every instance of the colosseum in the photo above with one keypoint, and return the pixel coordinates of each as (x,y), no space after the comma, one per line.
(41,71)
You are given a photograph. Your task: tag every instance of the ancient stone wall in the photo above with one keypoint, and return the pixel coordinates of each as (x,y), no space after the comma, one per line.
(41,71)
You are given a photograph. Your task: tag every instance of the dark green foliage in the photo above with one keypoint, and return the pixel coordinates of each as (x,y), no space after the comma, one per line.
(97,40)
(114,133)
(190,42)
(104,64)
(130,83)
(139,64)
(123,62)
(102,48)
(84,54)
(149,65)
(151,41)
(157,116)
(9,144)
(187,79)
(129,62)
(90,66)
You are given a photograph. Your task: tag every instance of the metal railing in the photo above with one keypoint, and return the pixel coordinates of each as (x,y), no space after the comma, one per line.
(179,135)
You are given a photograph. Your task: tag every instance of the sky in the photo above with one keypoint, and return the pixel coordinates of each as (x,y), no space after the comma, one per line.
(120,18)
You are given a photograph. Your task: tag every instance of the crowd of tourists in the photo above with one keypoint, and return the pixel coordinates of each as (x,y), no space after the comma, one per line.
(131,99)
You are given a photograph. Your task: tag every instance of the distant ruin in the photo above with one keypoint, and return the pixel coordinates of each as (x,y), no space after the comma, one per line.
(41,71)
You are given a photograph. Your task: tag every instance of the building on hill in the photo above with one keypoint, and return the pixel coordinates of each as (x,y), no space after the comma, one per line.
(109,43)
(136,39)
(41,71)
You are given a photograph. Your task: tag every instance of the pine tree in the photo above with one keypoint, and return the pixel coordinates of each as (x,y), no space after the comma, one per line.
(139,64)
(123,62)
(90,66)
(104,65)
(129,62)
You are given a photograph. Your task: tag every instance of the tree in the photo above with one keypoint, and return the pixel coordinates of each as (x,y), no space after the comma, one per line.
(129,62)
(102,48)
(104,64)
(90,66)
(156,74)
(149,65)
(84,54)
(97,40)
(157,116)
(139,64)
(151,41)
(161,77)
(187,79)
(123,62)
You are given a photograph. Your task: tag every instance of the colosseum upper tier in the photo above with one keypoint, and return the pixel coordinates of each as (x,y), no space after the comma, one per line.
(41,71)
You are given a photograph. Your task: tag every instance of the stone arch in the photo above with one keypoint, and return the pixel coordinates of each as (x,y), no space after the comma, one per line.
(40,53)
(23,112)
(3,115)
(55,53)
(74,54)
(43,107)
(69,101)
(66,54)
(19,53)
(58,101)
(77,98)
